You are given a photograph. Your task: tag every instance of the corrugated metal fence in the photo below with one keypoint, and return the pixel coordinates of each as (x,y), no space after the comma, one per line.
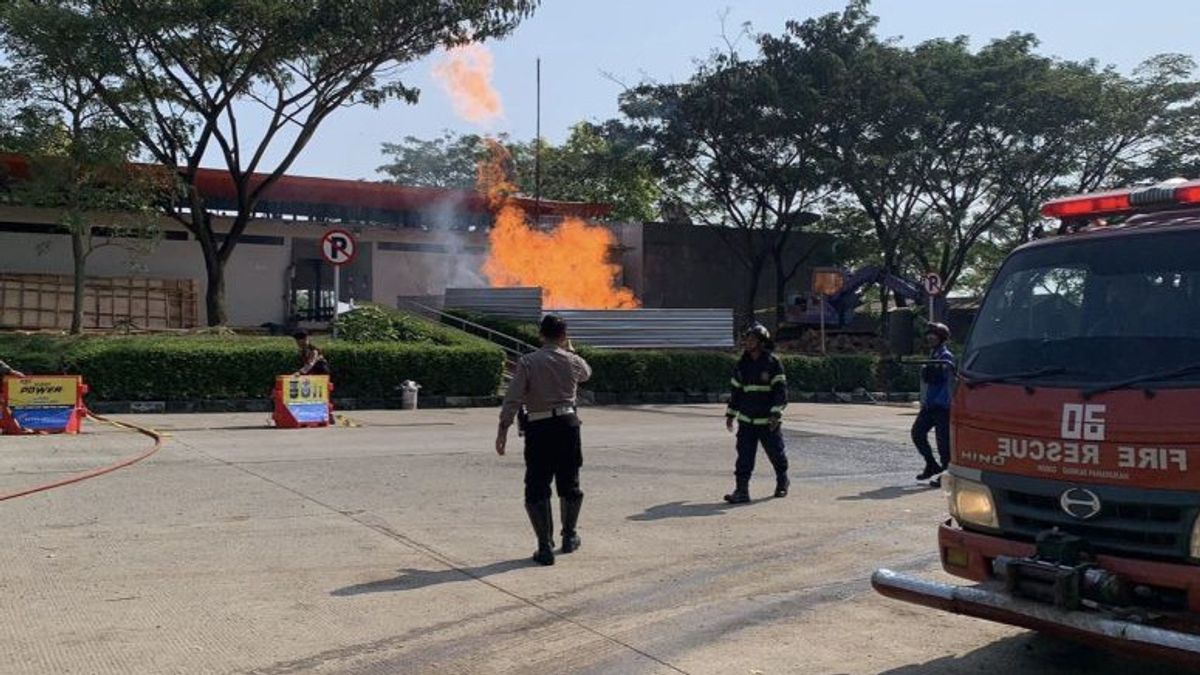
(650,328)
(520,303)
(604,328)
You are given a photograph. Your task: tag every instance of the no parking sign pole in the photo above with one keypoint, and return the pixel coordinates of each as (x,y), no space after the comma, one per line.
(933,288)
(338,248)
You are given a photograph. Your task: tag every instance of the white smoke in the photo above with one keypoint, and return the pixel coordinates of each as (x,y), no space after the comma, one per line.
(464,266)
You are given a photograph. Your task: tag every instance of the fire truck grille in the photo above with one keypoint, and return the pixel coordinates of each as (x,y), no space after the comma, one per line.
(1146,523)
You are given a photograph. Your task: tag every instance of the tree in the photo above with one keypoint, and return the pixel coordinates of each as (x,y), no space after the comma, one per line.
(449,161)
(865,140)
(175,74)
(79,165)
(1049,121)
(597,163)
(1142,128)
(977,122)
(719,141)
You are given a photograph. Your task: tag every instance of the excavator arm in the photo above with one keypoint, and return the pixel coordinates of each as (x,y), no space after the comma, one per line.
(843,303)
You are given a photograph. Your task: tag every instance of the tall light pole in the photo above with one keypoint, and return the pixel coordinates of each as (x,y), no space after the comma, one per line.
(537,151)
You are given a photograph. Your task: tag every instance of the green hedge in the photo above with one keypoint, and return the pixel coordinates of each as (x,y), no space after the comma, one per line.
(176,368)
(35,353)
(376,323)
(899,377)
(622,372)
(526,332)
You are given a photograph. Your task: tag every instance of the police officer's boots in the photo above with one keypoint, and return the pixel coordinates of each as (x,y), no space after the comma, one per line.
(570,516)
(740,494)
(782,484)
(542,519)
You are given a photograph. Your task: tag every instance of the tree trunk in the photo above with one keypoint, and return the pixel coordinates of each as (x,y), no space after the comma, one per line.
(755,269)
(889,264)
(214,294)
(884,306)
(780,290)
(79,258)
(214,267)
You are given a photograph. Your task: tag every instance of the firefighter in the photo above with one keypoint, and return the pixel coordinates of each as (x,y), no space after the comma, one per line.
(312,361)
(757,400)
(935,404)
(545,385)
(6,370)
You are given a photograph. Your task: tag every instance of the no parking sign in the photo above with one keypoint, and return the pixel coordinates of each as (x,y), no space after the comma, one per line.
(932,283)
(338,247)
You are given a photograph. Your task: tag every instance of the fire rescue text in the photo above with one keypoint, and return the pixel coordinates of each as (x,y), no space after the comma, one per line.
(1075,453)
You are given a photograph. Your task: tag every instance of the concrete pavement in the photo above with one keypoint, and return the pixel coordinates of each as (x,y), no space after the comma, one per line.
(401,547)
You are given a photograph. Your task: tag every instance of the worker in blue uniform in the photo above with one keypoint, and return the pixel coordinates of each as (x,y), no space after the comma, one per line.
(935,404)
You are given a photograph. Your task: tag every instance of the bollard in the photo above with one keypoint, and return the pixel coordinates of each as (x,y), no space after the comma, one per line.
(408,395)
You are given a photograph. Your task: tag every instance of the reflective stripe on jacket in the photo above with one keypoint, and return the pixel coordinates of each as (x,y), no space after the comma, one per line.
(758,389)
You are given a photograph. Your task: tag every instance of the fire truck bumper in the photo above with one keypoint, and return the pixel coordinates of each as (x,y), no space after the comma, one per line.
(989,601)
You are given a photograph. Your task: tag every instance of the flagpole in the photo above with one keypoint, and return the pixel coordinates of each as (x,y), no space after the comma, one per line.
(537,150)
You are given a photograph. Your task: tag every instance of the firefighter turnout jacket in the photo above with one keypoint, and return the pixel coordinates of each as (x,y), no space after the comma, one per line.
(758,390)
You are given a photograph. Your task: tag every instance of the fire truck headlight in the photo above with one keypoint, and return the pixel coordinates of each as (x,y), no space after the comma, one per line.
(970,502)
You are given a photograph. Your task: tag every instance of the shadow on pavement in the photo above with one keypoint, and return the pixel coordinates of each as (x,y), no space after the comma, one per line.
(890,492)
(686,510)
(412,579)
(1031,654)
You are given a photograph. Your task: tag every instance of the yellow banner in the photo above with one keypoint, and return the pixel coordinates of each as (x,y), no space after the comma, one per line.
(303,389)
(33,392)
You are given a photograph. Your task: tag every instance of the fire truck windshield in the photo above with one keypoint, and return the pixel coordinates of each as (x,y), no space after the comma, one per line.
(1092,311)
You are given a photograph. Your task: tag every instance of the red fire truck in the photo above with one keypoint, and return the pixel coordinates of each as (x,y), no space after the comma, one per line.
(1074,485)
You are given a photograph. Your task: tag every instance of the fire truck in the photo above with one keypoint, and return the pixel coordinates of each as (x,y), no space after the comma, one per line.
(1074,484)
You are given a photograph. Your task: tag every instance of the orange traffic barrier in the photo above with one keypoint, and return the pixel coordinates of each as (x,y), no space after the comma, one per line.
(302,401)
(47,404)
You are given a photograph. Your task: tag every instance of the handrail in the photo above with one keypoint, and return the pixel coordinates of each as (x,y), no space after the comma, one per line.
(521,349)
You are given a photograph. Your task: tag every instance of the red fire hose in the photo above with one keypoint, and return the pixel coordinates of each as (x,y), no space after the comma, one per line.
(158,441)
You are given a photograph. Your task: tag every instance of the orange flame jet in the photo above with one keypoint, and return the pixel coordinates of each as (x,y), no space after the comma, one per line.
(466,75)
(570,263)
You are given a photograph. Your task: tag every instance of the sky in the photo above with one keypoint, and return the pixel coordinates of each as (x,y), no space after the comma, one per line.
(588,48)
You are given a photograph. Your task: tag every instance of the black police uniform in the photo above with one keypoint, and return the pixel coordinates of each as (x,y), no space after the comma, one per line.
(758,398)
(541,397)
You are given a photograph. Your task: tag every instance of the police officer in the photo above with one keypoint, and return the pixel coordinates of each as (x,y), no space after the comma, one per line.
(6,370)
(757,400)
(935,403)
(546,383)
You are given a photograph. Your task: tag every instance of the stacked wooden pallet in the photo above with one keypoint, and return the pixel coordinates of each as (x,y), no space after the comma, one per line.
(44,301)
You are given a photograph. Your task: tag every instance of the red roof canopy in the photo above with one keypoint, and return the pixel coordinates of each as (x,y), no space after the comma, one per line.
(217,183)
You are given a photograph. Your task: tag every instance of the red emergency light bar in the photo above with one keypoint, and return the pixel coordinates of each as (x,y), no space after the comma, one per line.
(1123,202)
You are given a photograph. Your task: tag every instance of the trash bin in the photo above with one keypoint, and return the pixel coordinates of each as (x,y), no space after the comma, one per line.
(408,395)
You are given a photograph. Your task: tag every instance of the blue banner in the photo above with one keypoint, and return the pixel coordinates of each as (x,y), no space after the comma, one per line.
(307,413)
(43,419)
